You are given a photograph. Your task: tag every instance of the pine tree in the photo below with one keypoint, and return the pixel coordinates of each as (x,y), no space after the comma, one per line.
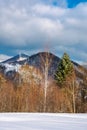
(65,77)
(64,70)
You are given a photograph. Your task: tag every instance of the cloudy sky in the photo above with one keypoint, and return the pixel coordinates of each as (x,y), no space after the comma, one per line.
(30,26)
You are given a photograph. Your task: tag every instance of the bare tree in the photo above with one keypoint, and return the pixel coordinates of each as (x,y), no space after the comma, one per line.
(46,61)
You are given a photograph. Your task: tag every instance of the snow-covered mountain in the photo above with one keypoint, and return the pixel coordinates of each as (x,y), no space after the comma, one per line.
(38,61)
(13,63)
(16,59)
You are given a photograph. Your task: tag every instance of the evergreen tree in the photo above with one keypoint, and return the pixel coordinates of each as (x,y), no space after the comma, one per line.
(64,70)
(65,77)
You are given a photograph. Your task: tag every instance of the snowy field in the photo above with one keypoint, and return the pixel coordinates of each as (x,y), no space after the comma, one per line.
(35,121)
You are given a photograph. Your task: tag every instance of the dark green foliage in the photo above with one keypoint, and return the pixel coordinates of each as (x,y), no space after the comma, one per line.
(65,69)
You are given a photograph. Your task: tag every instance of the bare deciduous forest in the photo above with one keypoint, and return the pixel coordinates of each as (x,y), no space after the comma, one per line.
(30,96)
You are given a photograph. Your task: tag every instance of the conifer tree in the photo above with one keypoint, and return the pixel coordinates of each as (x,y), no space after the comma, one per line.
(64,70)
(65,76)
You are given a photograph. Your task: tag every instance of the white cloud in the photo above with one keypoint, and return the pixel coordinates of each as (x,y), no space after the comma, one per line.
(46,10)
(33,26)
(27,3)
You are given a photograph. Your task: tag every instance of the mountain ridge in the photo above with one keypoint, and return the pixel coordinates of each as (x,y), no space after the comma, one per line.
(16,59)
(37,60)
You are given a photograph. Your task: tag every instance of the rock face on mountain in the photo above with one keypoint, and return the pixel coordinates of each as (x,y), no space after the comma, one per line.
(41,59)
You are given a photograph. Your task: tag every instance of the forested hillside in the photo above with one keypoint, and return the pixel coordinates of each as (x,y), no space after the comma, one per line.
(43,83)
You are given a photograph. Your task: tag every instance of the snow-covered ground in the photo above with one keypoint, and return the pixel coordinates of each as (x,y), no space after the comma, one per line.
(35,121)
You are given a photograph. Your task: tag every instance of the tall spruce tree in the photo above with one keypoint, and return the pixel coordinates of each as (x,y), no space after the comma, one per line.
(64,70)
(65,77)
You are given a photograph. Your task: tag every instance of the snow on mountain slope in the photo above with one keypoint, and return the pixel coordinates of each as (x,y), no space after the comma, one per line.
(21,58)
(10,67)
(16,59)
(13,63)
(42,121)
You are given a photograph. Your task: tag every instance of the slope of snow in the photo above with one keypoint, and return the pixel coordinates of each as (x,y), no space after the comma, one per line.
(21,58)
(10,67)
(35,121)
